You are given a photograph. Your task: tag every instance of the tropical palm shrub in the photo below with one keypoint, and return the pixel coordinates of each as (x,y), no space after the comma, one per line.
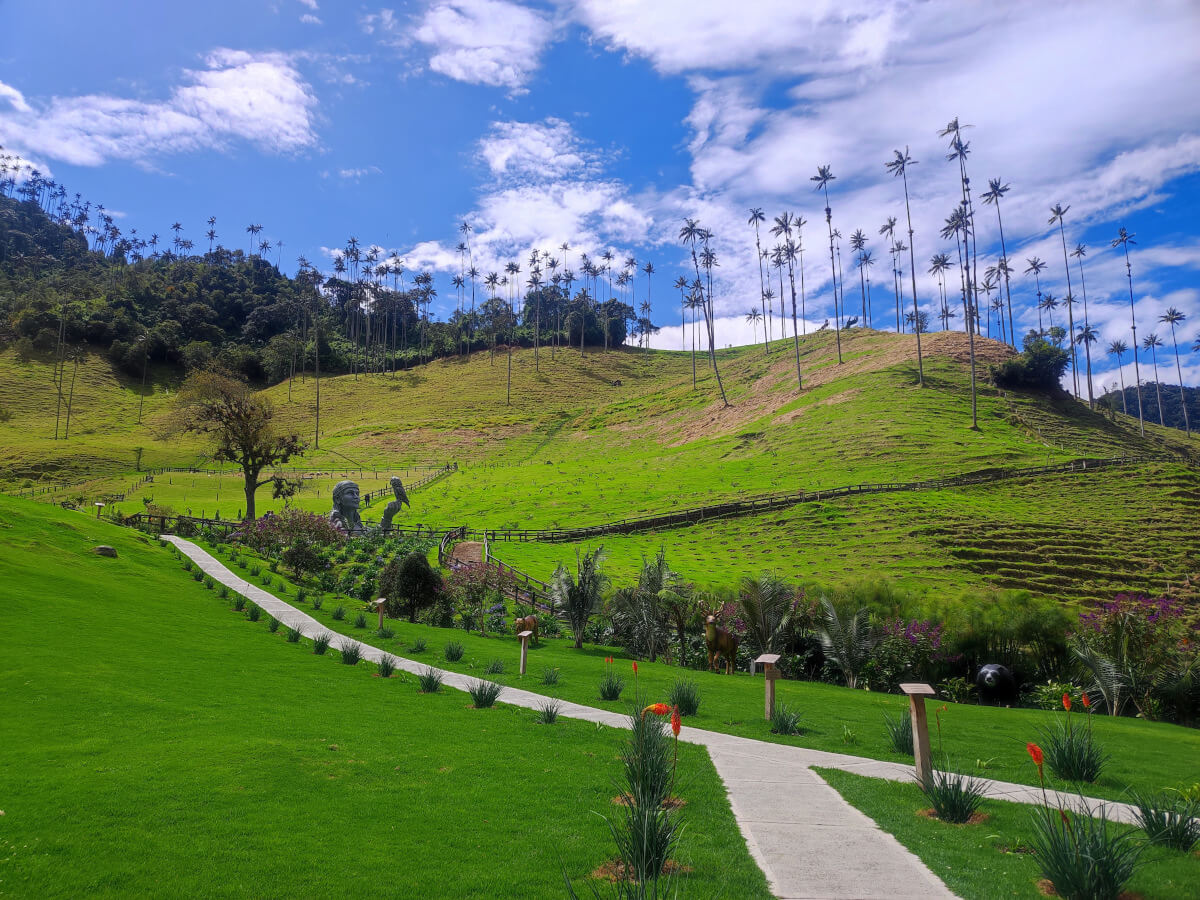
(640,614)
(847,642)
(579,596)
(768,609)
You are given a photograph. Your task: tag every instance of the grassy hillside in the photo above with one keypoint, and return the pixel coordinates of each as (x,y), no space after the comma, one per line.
(611,435)
(157,743)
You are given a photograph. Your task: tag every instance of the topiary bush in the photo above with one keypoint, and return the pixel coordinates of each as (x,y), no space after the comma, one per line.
(410,584)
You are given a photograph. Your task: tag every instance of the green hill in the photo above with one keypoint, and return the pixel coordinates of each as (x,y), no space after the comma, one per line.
(607,436)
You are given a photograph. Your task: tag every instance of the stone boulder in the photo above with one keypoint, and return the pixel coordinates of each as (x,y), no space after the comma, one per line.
(105,550)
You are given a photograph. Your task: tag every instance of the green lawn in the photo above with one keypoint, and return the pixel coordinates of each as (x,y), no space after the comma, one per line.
(979,740)
(157,743)
(991,860)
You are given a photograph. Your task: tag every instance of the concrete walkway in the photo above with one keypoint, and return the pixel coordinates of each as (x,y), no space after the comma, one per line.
(808,841)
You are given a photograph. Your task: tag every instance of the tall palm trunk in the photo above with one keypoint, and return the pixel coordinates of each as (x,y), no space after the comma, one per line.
(966,278)
(912,262)
(1070,309)
(1187,425)
(837,330)
(1157,386)
(762,289)
(1007,291)
(1133,327)
(1086,324)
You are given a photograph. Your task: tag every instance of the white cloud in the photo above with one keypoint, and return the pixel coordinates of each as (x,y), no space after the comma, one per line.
(257,97)
(310,19)
(356,174)
(490,42)
(536,150)
(311,4)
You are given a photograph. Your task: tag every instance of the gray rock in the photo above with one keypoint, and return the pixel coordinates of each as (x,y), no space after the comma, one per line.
(105,550)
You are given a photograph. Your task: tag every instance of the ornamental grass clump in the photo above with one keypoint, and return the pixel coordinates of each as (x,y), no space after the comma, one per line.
(418,646)
(272,625)
(785,720)
(495,667)
(318,602)
(339,613)
(955,798)
(223,593)
(1079,854)
(351,652)
(484,693)
(453,651)
(685,696)
(321,643)
(899,729)
(386,632)
(360,621)
(254,612)
(547,713)
(197,575)
(293,635)
(550,675)
(1170,818)
(612,683)
(429,681)
(387,665)
(1071,753)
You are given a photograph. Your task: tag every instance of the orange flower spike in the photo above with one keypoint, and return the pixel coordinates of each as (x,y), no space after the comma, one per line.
(1067,702)
(635,667)
(676,720)
(1086,701)
(659,709)
(1035,753)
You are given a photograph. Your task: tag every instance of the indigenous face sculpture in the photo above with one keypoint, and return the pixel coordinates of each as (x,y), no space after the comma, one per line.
(345,507)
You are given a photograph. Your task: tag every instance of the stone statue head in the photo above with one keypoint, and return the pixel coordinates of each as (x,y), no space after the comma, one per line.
(345,497)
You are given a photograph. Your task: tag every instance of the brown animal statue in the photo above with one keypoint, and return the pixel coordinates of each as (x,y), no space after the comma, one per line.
(720,643)
(529,623)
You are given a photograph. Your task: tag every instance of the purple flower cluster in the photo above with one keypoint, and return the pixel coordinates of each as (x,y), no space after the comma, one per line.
(1138,607)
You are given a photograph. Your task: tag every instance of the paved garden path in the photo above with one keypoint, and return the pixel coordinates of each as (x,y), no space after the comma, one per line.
(808,841)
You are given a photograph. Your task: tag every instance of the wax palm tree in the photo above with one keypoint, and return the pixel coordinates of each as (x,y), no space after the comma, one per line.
(1049,303)
(899,166)
(690,233)
(1058,216)
(694,302)
(865,261)
(959,150)
(648,269)
(757,217)
(754,317)
(1124,238)
(957,227)
(1035,268)
(888,230)
(1174,317)
(1088,336)
(1152,342)
(996,190)
(1119,349)
(253,231)
(680,284)
(858,242)
(787,253)
(822,178)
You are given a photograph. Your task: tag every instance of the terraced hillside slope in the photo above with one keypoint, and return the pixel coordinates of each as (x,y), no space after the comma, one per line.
(612,435)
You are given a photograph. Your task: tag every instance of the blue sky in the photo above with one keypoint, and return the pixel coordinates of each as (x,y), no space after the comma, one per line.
(604,122)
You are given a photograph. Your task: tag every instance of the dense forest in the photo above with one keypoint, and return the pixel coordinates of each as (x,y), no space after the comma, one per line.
(69,277)
(1152,394)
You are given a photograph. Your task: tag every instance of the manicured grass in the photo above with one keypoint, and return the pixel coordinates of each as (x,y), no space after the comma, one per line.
(991,859)
(157,742)
(979,740)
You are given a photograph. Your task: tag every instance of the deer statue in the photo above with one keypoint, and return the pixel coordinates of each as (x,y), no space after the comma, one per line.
(529,623)
(720,643)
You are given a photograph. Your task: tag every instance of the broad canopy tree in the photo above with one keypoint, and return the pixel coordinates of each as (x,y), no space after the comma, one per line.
(238,422)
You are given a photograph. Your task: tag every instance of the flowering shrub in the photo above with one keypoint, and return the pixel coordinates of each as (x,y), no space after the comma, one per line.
(475,588)
(272,532)
(907,651)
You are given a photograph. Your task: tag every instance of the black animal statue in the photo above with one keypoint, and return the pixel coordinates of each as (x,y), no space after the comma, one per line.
(996,684)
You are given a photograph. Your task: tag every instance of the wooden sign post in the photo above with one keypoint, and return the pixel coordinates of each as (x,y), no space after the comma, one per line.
(380,605)
(920,728)
(524,636)
(769,663)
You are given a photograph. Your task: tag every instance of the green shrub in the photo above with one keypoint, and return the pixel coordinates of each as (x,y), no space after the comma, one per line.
(351,652)
(484,693)
(685,696)
(339,613)
(453,651)
(321,643)
(239,603)
(899,729)
(255,571)
(954,797)
(318,602)
(272,625)
(187,565)
(547,713)
(254,612)
(418,646)
(1170,818)
(360,621)
(646,832)
(293,635)
(208,582)
(1081,856)
(223,592)
(1071,753)
(550,675)
(785,720)
(409,583)
(301,595)
(1039,367)
(266,580)
(386,632)
(611,685)
(495,667)
(387,665)
(197,575)
(274,566)
(429,681)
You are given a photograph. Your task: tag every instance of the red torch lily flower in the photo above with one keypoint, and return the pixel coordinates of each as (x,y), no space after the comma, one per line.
(676,720)
(1086,701)
(659,709)
(1067,702)
(635,667)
